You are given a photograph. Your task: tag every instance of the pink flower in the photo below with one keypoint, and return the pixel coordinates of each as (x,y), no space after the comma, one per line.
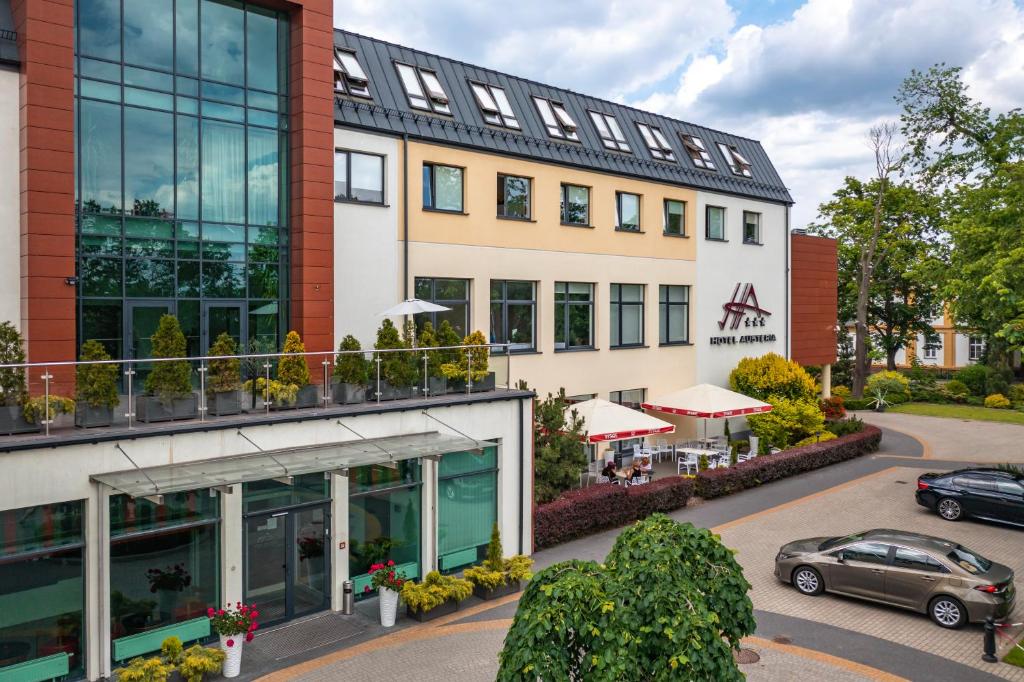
(254,614)
(366,588)
(255,626)
(248,637)
(391,562)
(230,643)
(391,575)
(220,612)
(210,612)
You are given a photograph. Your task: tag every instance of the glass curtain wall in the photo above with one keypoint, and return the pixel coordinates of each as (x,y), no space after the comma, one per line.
(181,158)
(42,585)
(467,507)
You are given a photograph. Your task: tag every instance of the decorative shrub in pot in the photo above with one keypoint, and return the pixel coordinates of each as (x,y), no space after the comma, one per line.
(191,664)
(388,584)
(169,385)
(224,383)
(234,626)
(498,576)
(448,340)
(471,364)
(438,595)
(351,372)
(12,383)
(293,371)
(397,370)
(96,387)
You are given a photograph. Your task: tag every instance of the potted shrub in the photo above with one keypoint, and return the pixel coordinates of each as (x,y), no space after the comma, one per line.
(437,384)
(12,383)
(96,388)
(448,338)
(224,383)
(169,385)
(471,364)
(234,626)
(878,403)
(293,371)
(351,372)
(438,595)
(388,584)
(398,369)
(497,576)
(191,664)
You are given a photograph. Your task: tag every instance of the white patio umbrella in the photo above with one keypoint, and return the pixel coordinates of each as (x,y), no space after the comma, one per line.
(413,306)
(706,401)
(604,421)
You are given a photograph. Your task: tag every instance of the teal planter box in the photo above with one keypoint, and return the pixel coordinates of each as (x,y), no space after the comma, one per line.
(147,642)
(47,668)
(360,582)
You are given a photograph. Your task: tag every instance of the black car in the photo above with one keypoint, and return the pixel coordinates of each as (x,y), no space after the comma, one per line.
(990,494)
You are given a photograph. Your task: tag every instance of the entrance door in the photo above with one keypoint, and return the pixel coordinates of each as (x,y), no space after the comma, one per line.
(286,569)
(220,317)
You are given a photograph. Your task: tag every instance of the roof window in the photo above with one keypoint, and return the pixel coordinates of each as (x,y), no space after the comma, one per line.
(738,164)
(697,151)
(423,89)
(494,105)
(656,142)
(349,77)
(610,132)
(556,119)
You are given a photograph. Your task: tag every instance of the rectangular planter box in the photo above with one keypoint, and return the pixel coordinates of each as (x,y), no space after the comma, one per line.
(88,417)
(485,384)
(388,392)
(497,592)
(347,394)
(12,421)
(224,403)
(307,396)
(437,385)
(149,408)
(445,609)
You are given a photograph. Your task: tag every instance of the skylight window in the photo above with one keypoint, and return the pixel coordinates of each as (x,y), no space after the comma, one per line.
(556,119)
(423,89)
(610,132)
(494,105)
(349,77)
(697,151)
(656,142)
(738,164)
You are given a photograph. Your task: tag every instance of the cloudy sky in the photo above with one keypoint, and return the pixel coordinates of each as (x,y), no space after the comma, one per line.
(806,77)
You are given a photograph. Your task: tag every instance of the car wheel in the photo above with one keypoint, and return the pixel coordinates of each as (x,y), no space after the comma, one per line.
(949,509)
(808,581)
(947,612)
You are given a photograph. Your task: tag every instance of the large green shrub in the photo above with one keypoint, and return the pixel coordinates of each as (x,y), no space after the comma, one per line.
(436,589)
(1016,393)
(398,369)
(772,375)
(169,380)
(788,422)
(558,452)
(997,401)
(427,340)
(12,352)
(983,380)
(225,374)
(471,361)
(893,385)
(351,367)
(96,385)
(292,368)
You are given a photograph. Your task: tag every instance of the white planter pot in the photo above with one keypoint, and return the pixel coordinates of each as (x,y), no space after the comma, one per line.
(232,654)
(388,606)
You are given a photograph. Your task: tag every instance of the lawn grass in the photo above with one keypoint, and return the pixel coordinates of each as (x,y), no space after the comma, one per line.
(1016,656)
(986,414)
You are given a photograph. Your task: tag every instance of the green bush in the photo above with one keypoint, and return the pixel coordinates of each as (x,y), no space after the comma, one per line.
(292,368)
(33,409)
(1016,393)
(12,352)
(894,385)
(467,366)
(497,571)
(96,385)
(436,589)
(169,380)
(957,388)
(997,401)
(841,391)
(816,438)
(845,427)
(225,374)
(975,400)
(858,404)
(351,367)
(772,375)
(983,380)
(398,369)
(788,422)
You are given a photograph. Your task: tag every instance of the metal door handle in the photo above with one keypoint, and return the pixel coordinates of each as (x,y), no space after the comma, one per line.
(928,578)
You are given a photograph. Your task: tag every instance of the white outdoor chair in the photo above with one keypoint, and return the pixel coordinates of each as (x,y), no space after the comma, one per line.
(688,462)
(744,456)
(774,451)
(638,450)
(593,471)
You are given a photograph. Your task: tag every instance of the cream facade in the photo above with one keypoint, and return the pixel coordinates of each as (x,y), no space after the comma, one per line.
(10,201)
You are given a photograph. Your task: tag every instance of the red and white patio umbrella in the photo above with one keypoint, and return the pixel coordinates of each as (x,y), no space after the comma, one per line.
(604,421)
(706,401)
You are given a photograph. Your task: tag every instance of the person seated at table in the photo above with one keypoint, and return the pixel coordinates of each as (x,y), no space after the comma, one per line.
(635,472)
(609,470)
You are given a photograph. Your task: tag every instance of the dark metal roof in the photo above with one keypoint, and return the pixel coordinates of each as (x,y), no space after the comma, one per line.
(8,35)
(389,111)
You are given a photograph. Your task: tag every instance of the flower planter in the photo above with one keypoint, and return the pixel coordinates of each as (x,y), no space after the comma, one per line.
(388,603)
(437,385)
(89,416)
(12,421)
(445,609)
(485,384)
(150,408)
(232,654)
(307,396)
(224,403)
(497,592)
(389,392)
(344,393)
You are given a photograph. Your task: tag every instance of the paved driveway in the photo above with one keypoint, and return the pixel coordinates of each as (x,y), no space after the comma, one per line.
(957,439)
(884,500)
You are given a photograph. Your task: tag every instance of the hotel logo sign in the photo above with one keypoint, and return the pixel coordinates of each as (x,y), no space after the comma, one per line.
(743,310)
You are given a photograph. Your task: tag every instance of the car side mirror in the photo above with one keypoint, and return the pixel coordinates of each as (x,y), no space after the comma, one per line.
(840,558)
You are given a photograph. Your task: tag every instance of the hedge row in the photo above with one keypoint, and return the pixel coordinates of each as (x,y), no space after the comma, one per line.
(754,472)
(599,507)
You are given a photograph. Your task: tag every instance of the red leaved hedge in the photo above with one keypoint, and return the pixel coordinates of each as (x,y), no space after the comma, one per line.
(754,472)
(602,506)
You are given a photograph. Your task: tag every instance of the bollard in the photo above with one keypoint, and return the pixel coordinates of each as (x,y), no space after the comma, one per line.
(990,641)
(348,598)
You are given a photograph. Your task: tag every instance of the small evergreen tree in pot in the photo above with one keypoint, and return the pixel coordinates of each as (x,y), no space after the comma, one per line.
(471,364)
(169,384)
(437,384)
(293,373)
(497,576)
(448,338)
(18,412)
(351,372)
(223,390)
(398,370)
(96,387)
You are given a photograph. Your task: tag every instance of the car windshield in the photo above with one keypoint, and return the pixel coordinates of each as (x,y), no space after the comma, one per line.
(968,560)
(840,540)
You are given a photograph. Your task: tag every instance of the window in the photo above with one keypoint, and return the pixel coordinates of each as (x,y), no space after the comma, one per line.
(358,177)
(975,483)
(715,223)
(656,142)
(423,89)
(513,313)
(627,212)
(1008,487)
(932,348)
(574,315)
(751,227)
(384,512)
(968,560)
(580,398)
(737,163)
(575,205)
(442,187)
(675,217)
(556,119)
(975,348)
(697,151)
(632,399)
(467,507)
(513,197)
(349,77)
(867,552)
(673,314)
(610,132)
(451,293)
(494,105)
(627,315)
(918,561)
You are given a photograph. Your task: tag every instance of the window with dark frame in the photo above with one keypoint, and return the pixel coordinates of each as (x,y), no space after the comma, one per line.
(975,348)
(656,143)
(443,187)
(494,105)
(627,212)
(931,348)
(575,205)
(675,217)
(449,292)
(358,177)
(514,313)
(513,197)
(627,315)
(714,228)
(738,164)
(751,227)
(574,315)
(611,134)
(423,88)
(349,77)
(557,120)
(673,314)
(697,152)
(631,398)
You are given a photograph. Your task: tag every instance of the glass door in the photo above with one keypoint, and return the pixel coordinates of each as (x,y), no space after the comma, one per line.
(310,577)
(141,321)
(266,565)
(220,317)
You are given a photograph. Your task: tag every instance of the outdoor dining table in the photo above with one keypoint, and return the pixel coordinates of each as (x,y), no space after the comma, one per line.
(711,454)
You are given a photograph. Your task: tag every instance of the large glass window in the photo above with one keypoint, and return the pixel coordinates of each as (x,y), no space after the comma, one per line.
(467,507)
(575,205)
(627,315)
(258,496)
(673,314)
(358,177)
(675,218)
(442,187)
(751,227)
(574,315)
(513,197)
(42,585)
(451,293)
(627,212)
(715,223)
(164,560)
(513,313)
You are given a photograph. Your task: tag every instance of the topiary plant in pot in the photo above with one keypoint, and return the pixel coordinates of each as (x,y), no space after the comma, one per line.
(497,576)
(96,387)
(437,383)
(448,339)
(438,595)
(469,371)
(224,385)
(397,369)
(351,372)
(293,371)
(169,392)
(12,382)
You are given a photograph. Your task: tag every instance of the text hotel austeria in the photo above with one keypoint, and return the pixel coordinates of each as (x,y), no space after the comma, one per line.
(244,169)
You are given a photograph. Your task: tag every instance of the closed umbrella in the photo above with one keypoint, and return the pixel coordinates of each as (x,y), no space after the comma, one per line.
(413,306)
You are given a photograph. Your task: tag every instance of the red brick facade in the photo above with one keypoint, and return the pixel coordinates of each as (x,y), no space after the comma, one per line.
(814,295)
